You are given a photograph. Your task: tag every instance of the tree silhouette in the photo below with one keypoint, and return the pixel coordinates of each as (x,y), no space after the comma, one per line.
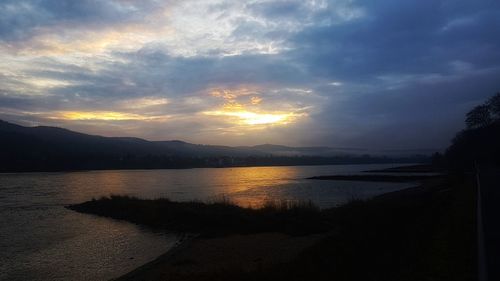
(479,116)
(494,105)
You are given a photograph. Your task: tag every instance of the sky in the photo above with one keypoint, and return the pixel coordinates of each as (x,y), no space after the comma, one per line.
(386,74)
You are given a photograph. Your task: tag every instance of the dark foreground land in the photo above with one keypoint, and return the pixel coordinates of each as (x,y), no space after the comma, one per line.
(489,177)
(421,233)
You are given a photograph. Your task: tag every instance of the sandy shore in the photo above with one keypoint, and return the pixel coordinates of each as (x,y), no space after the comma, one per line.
(208,256)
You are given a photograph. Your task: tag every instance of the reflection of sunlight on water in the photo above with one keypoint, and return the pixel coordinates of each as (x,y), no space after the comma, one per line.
(111,183)
(102,182)
(245,186)
(255,186)
(324,194)
(239,179)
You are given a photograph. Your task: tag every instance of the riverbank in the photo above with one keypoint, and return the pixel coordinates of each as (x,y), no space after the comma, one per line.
(420,168)
(376,178)
(421,233)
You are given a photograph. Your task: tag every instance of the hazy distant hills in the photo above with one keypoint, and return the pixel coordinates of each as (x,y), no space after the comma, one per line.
(281,150)
(50,148)
(57,139)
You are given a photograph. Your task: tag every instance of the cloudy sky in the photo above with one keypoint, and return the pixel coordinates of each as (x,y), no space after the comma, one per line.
(387,74)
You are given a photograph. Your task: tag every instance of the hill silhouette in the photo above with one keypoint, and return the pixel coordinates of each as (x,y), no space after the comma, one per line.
(45,148)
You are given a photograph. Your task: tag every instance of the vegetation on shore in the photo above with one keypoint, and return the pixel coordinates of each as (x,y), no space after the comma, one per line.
(212,218)
(427,233)
(424,233)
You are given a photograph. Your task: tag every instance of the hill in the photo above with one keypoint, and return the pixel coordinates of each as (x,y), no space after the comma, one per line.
(45,148)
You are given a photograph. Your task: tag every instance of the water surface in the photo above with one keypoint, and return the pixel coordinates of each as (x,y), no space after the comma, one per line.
(41,240)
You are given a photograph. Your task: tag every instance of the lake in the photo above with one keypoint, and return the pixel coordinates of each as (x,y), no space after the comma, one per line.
(41,240)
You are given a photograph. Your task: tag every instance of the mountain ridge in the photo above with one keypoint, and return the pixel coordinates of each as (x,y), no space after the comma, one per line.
(257,150)
(44,148)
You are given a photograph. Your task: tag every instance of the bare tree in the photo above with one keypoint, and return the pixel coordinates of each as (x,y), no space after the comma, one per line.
(479,116)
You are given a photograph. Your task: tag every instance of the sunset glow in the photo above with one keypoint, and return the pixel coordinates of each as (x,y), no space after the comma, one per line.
(254,118)
(98,115)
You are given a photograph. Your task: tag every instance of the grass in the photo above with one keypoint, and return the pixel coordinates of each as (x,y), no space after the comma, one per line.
(422,236)
(213,218)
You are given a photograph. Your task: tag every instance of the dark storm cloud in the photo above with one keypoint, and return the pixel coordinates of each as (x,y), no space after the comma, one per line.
(21,19)
(402,37)
(181,76)
(417,115)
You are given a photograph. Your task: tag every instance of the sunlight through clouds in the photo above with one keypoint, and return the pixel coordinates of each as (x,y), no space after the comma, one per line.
(244,107)
(143,102)
(102,115)
(255,118)
(250,70)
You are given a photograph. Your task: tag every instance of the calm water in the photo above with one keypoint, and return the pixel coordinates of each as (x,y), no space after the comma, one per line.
(41,240)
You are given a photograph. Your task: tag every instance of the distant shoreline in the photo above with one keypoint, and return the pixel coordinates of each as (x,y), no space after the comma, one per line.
(409,163)
(376,178)
(202,167)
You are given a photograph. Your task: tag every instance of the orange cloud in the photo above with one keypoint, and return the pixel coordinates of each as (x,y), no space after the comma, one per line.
(101,115)
(255,100)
